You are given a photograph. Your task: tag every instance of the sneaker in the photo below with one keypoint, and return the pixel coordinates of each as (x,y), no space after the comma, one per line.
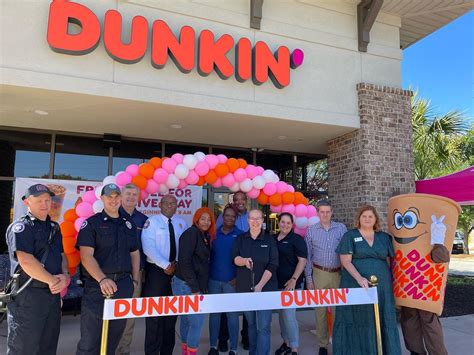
(283,349)
(213,351)
(323,351)
(232,352)
(223,346)
(294,353)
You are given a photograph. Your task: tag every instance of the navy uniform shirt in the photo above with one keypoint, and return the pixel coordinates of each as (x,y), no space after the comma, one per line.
(289,249)
(264,253)
(139,219)
(113,239)
(30,235)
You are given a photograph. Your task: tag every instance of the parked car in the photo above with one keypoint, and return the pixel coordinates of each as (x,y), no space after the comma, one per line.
(458,244)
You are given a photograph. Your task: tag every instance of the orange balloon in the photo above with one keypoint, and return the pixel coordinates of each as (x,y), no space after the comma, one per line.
(211,177)
(275,199)
(70,215)
(147,170)
(139,181)
(288,197)
(72,270)
(233,164)
(67,229)
(242,163)
(221,170)
(73,259)
(156,162)
(201,181)
(306,201)
(262,198)
(69,245)
(299,198)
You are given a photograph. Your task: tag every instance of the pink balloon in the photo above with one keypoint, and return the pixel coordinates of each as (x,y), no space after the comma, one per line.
(143,195)
(182,184)
(218,183)
(169,165)
(311,211)
(202,168)
(300,231)
(132,169)
(89,197)
(288,208)
(78,223)
(275,209)
(160,175)
(260,170)
(152,186)
(84,209)
(251,171)
(253,193)
(269,189)
(178,157)
(281,187)
(300,210)
(192,178)
(124,179)
(291,188)
(222,158)
(228,180)
(240,175)
(212,160)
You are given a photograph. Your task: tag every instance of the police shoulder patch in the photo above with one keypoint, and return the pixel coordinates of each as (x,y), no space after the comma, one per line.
(147,224)
(18,227)
(84,225)
(128,224)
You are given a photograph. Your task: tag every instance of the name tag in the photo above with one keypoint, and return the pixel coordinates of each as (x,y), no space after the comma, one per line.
(264,246)
(358,239)
(285,242)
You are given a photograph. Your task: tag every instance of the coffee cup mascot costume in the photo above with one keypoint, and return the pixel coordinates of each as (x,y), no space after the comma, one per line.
(423,228)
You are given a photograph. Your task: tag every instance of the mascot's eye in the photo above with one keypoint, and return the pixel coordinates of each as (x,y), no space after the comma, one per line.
(398,219)
(410,220)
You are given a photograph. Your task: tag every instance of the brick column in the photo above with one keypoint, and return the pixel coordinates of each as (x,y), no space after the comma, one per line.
(375,162)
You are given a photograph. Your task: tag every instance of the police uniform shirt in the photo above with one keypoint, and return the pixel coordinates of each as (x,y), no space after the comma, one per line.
(289,249)
(30,235)
(264,253)
(113,239)
(139,219)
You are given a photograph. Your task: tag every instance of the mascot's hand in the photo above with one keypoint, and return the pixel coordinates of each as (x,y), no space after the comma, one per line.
(438,230)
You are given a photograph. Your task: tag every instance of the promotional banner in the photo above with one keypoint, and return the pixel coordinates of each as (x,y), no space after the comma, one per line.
(417,222)
(235,302)
(68,194)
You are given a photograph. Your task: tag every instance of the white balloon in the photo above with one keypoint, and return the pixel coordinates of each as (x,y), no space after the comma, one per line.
(98,206)
(268,175)
(163,189)
(190,161)
(172,181)
(120,172)
(98,191)
(111,179)
(301,222)
(235,187)
(200,156)
(246,185)
(258,182)
(275,178)
(181,171)
(313,220)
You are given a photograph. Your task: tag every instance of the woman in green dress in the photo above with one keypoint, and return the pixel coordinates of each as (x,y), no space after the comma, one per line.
(366,251)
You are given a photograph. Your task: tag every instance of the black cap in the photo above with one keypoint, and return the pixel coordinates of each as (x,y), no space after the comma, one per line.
(36,190)
(109,189)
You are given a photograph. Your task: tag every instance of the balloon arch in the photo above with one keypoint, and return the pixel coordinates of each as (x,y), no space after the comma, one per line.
(160,175)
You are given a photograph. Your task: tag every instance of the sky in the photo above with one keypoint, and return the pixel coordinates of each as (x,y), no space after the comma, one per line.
(441,67)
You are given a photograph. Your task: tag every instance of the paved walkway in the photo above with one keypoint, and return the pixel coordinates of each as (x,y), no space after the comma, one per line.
(458,334)
(462,264)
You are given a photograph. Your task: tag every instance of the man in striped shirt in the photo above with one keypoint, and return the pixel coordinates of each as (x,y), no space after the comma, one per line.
(323,269)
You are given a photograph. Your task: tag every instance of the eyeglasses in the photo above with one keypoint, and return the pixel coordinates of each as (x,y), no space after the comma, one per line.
(255,219)
(169,203)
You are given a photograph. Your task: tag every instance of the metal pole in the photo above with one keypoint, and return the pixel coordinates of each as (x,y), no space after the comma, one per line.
(105,334)
(373,282)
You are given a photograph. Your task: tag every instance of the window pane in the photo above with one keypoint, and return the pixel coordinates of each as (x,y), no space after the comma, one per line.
(134,152)
(6,211)
(24,154)
(235,153)
(80,158)
(171,149)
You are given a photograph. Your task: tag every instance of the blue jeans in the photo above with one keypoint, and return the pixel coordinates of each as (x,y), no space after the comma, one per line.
(260,331)
(289,327)
(190,327)
(215,318)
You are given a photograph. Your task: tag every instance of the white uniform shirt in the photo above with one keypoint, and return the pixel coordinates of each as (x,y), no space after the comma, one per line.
(156,238)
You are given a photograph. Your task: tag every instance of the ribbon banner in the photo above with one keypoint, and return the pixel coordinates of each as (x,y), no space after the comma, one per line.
(235,302)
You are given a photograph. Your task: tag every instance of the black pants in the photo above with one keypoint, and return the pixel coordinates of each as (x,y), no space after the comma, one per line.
(33,322)
(160,331)
(92,308)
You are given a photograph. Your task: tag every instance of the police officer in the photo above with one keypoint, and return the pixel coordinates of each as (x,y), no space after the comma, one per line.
(110,259)
(35,246)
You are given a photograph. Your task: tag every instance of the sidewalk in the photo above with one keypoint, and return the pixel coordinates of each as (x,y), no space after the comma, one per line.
(458,335)
(461,264)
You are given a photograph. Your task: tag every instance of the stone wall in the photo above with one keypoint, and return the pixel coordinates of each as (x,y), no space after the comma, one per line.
(375,162)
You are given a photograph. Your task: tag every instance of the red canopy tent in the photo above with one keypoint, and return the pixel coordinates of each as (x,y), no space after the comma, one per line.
(458,186)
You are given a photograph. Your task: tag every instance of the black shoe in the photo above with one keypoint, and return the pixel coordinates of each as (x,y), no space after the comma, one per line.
(294,353)
(245,343)
(213,351)
(223,346)
(283,349)
(323,351)
(232,352)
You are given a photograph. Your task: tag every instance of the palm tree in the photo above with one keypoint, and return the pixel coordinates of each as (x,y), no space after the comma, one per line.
(437,140)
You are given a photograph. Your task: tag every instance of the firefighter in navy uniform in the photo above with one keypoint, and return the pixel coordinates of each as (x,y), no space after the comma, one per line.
(110,260)
(35,246)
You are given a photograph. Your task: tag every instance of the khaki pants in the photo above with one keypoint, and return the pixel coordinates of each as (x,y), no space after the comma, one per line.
(321,280)
(124,345)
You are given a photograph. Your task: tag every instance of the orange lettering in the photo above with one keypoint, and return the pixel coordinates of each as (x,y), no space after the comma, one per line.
(286,298)
(121,312)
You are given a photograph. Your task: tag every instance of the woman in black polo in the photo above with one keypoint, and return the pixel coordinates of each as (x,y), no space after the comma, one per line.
(292,254)
(256,255)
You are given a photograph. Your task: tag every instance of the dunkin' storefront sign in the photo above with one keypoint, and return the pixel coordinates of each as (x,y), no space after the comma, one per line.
(188,50)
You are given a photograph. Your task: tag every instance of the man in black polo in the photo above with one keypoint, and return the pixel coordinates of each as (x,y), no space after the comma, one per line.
(111,265)
(35,247)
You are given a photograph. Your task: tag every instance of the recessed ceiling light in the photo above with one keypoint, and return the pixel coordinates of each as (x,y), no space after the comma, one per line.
(176,126)
(41,112)
(282,138)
